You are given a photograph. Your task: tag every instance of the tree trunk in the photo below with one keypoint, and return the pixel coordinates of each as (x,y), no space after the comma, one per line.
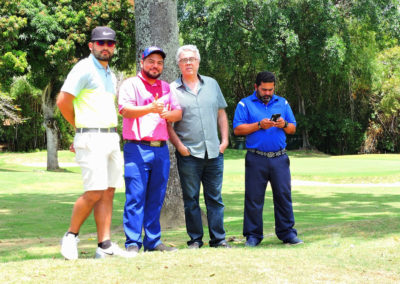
(156,24)
(302,110)
(48,107)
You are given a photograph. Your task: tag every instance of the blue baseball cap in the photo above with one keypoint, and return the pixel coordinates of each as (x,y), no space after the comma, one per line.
(151,50)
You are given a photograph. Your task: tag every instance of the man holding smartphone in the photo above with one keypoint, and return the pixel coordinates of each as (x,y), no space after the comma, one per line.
(265,119)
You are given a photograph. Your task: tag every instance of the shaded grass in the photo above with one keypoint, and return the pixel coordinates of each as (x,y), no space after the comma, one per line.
(352,234)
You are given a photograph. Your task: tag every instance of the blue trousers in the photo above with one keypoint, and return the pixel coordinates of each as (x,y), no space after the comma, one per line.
(209,172)
(146,178)
(260,170)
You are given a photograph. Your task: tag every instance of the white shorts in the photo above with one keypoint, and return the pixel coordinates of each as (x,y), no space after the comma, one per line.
(99,156)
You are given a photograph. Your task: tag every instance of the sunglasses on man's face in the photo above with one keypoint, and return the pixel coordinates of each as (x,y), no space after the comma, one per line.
(103,42)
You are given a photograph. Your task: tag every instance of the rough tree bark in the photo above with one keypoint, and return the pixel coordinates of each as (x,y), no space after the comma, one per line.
(48,107)
(302,110)
(156,24)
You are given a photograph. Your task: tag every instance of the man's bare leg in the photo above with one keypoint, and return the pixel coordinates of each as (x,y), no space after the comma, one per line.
(83,207)
(103,214)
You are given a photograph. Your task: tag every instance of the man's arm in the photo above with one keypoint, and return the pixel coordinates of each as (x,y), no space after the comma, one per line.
(172,115)
(66,106)
(138,111)
(224,129)
(173,137)
(248,128)
(289,129)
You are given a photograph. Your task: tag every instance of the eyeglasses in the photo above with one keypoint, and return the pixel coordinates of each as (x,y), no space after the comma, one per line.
(188,60)
(103,42)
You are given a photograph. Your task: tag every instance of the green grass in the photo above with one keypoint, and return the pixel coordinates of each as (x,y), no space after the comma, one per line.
(351,228)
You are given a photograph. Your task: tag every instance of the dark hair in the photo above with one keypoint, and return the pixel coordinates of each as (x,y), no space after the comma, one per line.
(265,77)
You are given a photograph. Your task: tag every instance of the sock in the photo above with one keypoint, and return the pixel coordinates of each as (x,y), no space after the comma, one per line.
(105,244)
(75,234)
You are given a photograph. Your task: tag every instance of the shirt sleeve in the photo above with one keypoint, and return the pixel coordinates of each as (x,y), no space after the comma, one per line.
(172,100)
(126,95)
(76,80)
(241,115)
(221,100)
(289,116)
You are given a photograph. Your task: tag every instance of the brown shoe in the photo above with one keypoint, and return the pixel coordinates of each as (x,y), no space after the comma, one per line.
(161,247)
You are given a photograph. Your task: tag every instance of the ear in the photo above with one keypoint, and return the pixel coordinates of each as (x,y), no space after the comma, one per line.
(90,44)
(255,87)
(141,64)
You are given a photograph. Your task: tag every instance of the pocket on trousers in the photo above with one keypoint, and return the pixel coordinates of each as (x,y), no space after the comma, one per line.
(131,170)
(81,140)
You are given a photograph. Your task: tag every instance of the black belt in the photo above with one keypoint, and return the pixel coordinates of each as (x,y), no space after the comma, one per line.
(268,154)
(148,143)
(96,130)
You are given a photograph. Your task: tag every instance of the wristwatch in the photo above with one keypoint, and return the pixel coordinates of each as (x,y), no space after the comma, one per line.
(259,125)
(286,124)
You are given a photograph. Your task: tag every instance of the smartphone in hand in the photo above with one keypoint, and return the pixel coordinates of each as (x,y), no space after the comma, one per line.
(275,117)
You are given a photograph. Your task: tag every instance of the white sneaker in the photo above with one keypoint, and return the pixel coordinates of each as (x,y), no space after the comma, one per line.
(69,246)
(113,250)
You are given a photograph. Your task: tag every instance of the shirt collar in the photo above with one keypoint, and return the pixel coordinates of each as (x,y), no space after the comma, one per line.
(182,85)
(98,64)
(157,83)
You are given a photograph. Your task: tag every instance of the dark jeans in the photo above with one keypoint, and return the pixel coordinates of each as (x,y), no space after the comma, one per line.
(260,170)
(208,172)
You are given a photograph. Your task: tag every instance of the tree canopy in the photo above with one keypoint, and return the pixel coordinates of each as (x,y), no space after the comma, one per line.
(43,39)
(323,53)
(327,56)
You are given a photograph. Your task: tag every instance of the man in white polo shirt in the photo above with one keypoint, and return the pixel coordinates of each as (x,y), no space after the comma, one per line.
(86,101)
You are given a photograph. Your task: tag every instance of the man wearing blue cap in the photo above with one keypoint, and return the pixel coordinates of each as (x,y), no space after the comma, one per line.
(265,119)
(87,101)
(146,104)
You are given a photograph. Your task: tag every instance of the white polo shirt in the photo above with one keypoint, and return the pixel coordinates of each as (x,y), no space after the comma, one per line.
(94,88)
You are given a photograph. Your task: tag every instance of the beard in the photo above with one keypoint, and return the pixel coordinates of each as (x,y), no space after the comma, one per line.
(102,57)
(152,76)
(265,99)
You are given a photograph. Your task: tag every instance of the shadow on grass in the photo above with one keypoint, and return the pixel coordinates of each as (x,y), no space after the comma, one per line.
(31,222)
(13,171)
(60,170)
(65,170)
(366,215)
(39,220)
(44,215)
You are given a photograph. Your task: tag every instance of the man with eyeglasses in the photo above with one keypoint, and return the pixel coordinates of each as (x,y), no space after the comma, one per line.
(198,149)
(146,104)
(87,101)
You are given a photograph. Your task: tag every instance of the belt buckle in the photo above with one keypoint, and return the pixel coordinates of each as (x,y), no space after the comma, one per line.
(270,154)
(155,143)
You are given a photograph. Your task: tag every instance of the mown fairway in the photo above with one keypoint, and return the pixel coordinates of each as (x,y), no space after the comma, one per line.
(347,211)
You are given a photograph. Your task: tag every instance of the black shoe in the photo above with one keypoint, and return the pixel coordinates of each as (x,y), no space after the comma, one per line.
(252,242)
(161,247)
(293,241)
(221,244)
(195,245)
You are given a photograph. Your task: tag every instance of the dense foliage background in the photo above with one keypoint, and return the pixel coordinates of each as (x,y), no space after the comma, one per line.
(337,62)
